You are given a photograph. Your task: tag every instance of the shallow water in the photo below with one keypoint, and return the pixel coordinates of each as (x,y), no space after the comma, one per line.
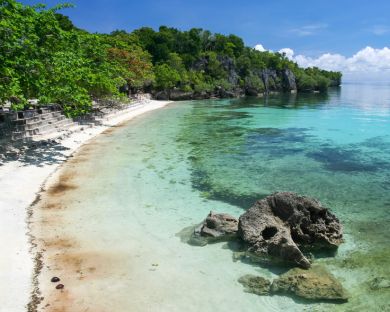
(113,230)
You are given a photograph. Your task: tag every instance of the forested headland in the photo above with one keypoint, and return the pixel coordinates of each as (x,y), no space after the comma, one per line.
(44,56)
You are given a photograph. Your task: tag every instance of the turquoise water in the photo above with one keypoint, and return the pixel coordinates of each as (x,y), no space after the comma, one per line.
(144,183)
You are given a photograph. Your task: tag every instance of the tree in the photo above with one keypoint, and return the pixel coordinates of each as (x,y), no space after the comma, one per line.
(44,56)
(166,77)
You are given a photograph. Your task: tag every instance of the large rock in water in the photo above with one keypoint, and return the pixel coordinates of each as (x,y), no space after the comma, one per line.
(314,284)
(281,223)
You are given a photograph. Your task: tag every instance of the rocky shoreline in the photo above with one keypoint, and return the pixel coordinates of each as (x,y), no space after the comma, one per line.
(271,81)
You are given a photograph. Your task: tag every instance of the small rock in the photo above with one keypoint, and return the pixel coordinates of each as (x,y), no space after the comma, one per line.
(216,227)
(55,279)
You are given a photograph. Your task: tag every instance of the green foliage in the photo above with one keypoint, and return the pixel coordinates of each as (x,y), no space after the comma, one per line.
(224,84)
(313,78)
(305,82)
(44,56)
(166,76)
(254,82)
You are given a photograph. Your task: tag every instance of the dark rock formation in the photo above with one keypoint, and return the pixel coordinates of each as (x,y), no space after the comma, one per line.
(227,63)
(314,284)
(178,95)
(276,225)
(271,80)
(255,284)
(256,82)
(288,78)
(222,93)
(229,66)
(162,96)
(251,91)
(201,95)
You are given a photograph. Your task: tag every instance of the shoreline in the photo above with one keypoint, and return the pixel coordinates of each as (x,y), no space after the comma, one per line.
(21,183)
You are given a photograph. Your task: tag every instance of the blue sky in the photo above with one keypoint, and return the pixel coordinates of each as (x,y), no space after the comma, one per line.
(310,28)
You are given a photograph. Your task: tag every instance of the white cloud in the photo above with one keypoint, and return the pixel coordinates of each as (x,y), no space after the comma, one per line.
(288,52)
(368,63)
(259,47)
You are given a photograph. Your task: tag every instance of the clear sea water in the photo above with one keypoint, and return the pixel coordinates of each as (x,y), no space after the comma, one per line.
(138,187)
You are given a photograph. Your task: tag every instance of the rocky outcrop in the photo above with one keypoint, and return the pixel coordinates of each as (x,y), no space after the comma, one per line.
(226,62)
(223,93)
(178,95)
(271,80)
(217,227)
(161,96)
(288,79)
(229,66)
(267,81)
(251,91)
(201,95)
(314,284)
(280,224)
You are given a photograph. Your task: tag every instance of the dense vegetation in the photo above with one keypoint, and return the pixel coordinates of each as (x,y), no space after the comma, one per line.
(44,56)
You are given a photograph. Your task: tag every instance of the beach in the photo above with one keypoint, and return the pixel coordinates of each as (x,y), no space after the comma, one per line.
(20,182)
(112,224)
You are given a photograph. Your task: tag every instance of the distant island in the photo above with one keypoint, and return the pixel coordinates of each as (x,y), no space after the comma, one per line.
(45,57)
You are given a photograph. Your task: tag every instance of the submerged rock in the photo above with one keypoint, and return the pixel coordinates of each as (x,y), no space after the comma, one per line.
(255,284)
(314,284)
(379,283)
(281,223)
(215,228)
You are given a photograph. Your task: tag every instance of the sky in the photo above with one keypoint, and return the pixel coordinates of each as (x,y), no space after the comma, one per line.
(352,36)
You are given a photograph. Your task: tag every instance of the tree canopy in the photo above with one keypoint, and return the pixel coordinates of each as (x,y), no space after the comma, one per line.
(44,56)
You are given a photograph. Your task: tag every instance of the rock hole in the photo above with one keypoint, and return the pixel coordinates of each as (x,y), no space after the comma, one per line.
(269,232)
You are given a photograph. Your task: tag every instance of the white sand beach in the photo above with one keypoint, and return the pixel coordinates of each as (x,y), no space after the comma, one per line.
(20,182)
